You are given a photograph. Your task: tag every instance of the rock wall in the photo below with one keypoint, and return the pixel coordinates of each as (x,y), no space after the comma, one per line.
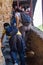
(5,12)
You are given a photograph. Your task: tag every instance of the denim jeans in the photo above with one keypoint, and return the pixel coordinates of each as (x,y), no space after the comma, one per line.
(19,49)
(22,58)
(6,50)
(14,57)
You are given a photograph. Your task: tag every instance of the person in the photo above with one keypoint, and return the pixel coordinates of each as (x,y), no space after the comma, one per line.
(16,20)
(19,35)
(17,44)
(20,23)
(5,46)
(18,17)
(23,26)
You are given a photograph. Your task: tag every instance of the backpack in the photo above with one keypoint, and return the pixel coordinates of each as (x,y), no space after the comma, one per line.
(26,19)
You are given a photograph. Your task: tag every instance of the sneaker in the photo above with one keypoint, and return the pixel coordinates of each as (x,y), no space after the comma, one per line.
(32,52)
(15,64)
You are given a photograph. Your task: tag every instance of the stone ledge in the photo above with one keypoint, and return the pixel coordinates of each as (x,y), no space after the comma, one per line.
(37,31)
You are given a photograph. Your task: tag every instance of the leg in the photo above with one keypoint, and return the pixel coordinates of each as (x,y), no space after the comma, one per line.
(22,59)
(14,49)
(7,56)
(21,49)
(14,56)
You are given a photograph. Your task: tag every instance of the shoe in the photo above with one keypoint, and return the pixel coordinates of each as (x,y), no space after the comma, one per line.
(15,64)
(32,52)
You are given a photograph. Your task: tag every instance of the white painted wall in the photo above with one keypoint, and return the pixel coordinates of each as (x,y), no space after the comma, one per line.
(37,18)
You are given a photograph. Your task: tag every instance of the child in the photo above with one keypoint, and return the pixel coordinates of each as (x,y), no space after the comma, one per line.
(5,46)
(17,44)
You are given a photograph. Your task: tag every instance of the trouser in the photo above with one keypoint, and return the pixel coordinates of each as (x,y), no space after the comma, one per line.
(19,59)
(14,57)
(7,56)
(6,50)
(22,58)
(19,51)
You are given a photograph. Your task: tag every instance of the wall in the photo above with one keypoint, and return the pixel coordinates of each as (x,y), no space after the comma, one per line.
(5,12)
(36,38)
(6,6)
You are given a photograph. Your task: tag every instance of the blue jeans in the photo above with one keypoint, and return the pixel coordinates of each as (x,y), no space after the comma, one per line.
(18,49)
(6,50)
(22,59)
(14,56)
(21,49)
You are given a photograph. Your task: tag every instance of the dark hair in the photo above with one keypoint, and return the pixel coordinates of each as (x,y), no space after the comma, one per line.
(7,28)
(18,10)
(14,4)
(6,24)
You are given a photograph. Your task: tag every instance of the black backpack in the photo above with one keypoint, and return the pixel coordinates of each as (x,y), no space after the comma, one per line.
(26,19)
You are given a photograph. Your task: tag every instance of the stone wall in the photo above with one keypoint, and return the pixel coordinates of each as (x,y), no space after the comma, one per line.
(5,12)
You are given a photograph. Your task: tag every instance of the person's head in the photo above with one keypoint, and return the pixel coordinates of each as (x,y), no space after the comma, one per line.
(6,25)
(21,8)
(14,6)
(18,10)
(7,28)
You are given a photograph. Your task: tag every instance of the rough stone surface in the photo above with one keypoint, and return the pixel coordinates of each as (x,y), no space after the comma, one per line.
(5,10)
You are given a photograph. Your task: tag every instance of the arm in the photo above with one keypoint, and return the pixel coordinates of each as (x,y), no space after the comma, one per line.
(17,20)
